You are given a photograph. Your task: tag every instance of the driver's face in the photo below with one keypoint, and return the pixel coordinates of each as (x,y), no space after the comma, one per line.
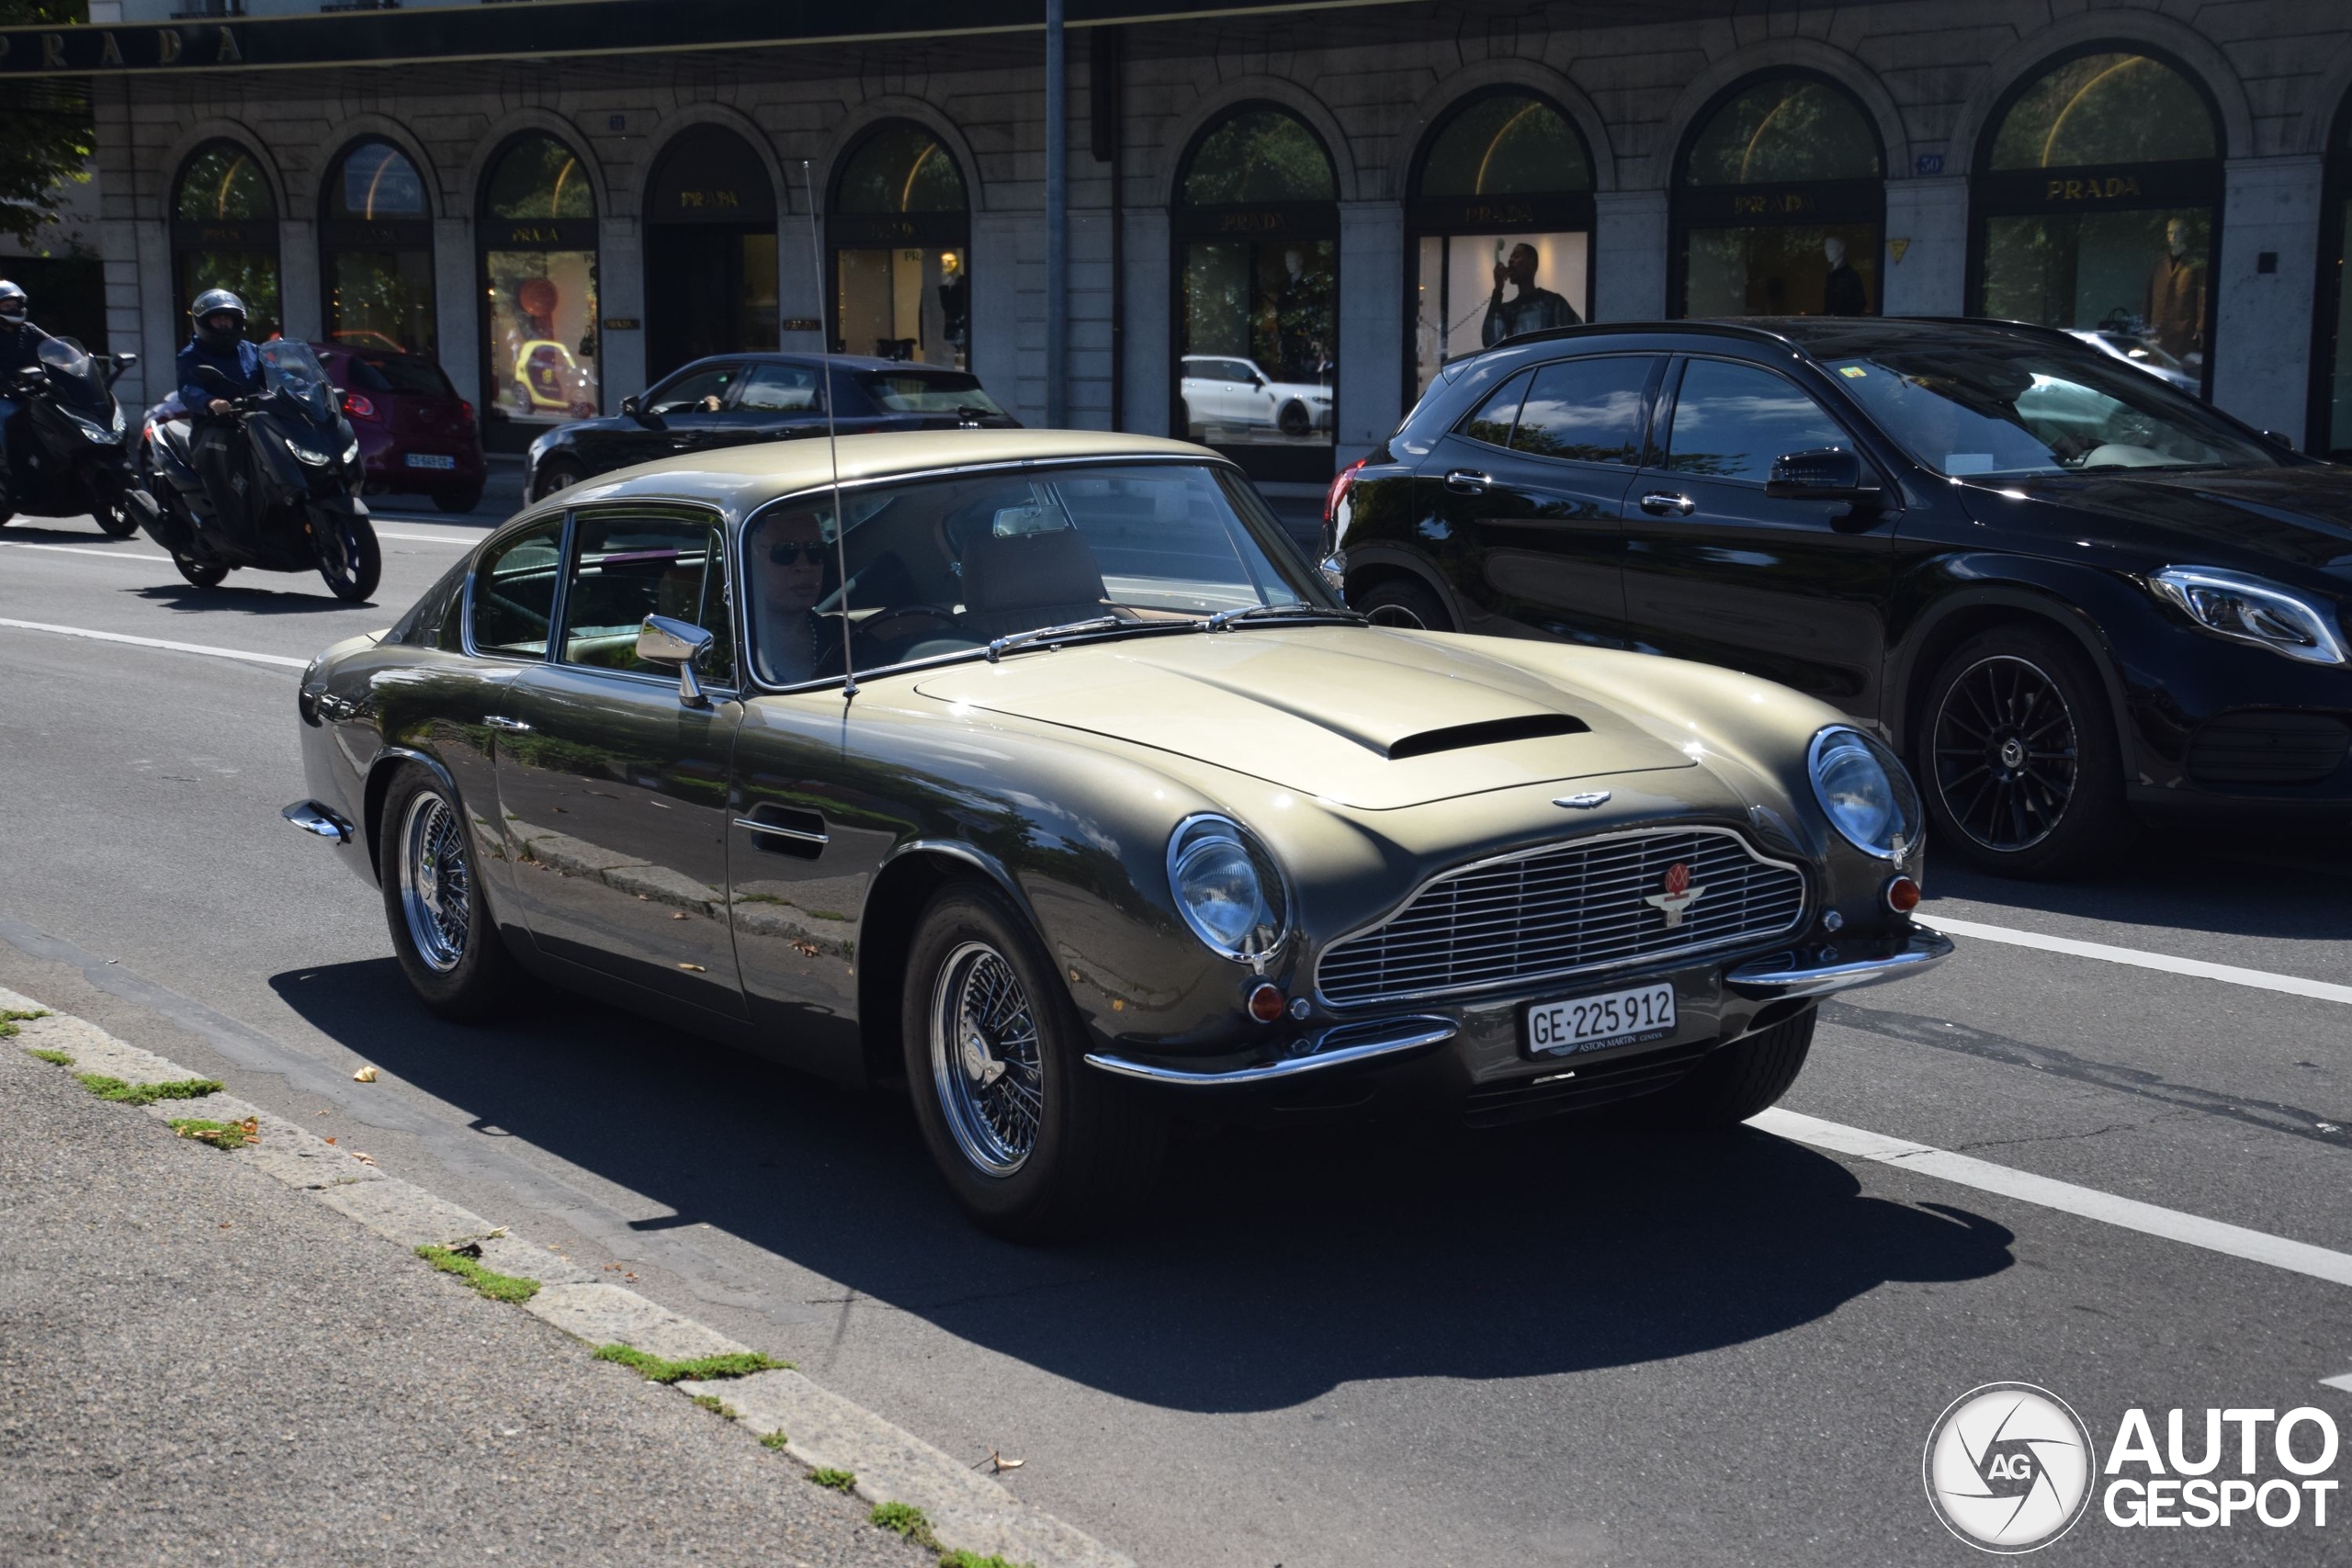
(221,322)
(796,568)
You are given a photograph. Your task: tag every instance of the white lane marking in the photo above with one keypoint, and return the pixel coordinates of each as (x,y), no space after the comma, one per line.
(2261,979)
(2343,1381)
(2128,1213)
(460,540)
(84,550)
(159,642)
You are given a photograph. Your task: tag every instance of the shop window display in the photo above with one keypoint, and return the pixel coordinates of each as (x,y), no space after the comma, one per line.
(1782,204)
(901,229)
(539,273)
(224,234)
(376,242)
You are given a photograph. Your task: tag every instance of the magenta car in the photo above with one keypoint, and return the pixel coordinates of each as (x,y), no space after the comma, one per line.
(416,436)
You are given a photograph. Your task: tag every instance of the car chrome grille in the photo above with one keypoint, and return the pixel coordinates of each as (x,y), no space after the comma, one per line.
(1558,911)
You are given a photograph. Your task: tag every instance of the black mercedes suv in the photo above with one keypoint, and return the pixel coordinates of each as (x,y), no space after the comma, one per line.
(2058,584)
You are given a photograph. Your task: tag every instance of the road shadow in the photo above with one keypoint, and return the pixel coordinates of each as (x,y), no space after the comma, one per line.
(1264,1270)
(250,599)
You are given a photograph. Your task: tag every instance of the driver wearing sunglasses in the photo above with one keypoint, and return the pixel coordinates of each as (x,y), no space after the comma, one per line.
(796,643)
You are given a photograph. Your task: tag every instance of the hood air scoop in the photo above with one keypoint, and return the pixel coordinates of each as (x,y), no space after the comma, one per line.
(1489,732)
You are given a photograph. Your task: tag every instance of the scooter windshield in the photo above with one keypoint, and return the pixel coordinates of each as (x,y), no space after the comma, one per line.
(287,366)
(72,375)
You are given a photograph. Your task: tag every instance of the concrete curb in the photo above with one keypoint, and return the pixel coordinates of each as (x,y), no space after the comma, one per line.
(967,1511)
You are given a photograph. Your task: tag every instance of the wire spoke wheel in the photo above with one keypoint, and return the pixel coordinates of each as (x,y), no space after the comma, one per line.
(987,1062)
(2006,758)
(436,881)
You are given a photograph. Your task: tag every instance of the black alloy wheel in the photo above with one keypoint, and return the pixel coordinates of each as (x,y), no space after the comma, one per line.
(351,561)
(113,514)
(555,474)
(1401,602)
(443,933)
(1294,421)
(203,573)
(2021,765)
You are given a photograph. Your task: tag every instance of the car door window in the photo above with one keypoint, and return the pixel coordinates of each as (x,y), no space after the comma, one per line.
(1731,420)
(697,391)
(1491,421)
(778,389)
(514,592)
(1586,410)
(629,565)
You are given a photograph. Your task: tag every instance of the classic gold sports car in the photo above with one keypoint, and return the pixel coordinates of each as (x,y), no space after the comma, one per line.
(1037,772)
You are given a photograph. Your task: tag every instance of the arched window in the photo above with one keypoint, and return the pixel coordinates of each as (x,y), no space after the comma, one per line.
(376,252)
(2097,189)
(1257,232)
(2331,431)
(538,234)
(224,234)
(711,261)
(1501,218)
(901,231)
(1779,204)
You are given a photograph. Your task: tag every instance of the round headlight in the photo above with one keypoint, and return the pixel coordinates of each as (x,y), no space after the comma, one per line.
(1224,888)
(1866,793)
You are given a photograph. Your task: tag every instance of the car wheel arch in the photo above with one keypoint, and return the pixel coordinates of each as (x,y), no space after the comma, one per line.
(1968,615)
(379,788)
(904,882)
(1373,569)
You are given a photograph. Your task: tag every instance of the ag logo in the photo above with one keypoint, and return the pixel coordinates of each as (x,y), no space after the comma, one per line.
(2008,1467)
(1679,895)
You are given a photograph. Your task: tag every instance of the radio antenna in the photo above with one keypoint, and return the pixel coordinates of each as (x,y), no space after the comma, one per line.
(832,434)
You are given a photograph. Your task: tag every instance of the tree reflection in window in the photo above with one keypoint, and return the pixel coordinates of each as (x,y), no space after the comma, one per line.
(1784,130)
(539,177)
(900,168)
(223,184)
(2106,108)
(1259,155)
(376,182)
(1508,145)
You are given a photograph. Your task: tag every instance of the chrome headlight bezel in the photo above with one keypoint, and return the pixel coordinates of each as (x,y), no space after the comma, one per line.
(1205,849)
(1843,747)
(2234,606)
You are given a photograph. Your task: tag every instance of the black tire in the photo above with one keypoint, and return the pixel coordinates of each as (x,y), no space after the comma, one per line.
(2018,757)
(1401,602)
(1083,1145)
(203,573)
(458,499)
(113,515)
(351,560)
(1734,1083)
(449,949)
(555,474)
(1294,419)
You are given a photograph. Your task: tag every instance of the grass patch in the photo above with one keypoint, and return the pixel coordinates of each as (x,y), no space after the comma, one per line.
(838,1480)
(775,1440)
(54,1058)
(123,1093)
(219,1134)
(905,1520)
(962,1559)
(465,1263)
(702,1368)
(11,1017)
(718,1407)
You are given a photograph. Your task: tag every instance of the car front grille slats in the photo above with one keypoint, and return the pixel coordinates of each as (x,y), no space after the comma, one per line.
(1556,911)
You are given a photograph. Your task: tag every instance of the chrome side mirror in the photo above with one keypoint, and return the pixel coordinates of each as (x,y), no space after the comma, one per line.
(662,639)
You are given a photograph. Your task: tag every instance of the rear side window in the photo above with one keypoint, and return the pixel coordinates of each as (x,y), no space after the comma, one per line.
(912,391)
(778,389)
(1731,420)
(399,373)
(1491,422)
(513,602)
(629,565)
(1585,410)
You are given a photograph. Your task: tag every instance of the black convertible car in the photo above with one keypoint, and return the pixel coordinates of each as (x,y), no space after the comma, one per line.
(737,399)
(2060,585)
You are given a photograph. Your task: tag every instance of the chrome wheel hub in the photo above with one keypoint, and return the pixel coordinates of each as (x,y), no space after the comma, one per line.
(436,881)
(986,1059)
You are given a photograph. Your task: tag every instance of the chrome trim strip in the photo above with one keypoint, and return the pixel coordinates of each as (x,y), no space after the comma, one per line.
(1763,980)
(1412,1034)
(1658,959)
(755,825)
(313,818)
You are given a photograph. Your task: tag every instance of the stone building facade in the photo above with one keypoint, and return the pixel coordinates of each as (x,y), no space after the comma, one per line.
(2172,175)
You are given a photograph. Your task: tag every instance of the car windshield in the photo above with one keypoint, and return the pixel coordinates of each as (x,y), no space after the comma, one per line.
(2002,409)
(940,567)
(289,366)
(916,391)
(399,373)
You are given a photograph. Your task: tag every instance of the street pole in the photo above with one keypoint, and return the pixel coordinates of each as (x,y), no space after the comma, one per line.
(1056,221)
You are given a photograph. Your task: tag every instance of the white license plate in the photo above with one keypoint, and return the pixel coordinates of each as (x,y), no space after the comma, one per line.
(430,460)
(1595,1023)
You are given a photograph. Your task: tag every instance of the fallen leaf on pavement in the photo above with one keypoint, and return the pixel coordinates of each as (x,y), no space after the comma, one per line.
(365,1074)
(363,1159)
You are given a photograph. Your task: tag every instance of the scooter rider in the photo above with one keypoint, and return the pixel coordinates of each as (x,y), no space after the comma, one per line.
(218,341)
(18,337)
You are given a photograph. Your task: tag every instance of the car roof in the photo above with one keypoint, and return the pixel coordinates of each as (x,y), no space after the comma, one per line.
(1820,337)
(837,361)
(739,479)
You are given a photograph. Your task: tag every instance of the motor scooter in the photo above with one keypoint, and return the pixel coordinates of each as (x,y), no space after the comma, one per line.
(293,498)
(67,447)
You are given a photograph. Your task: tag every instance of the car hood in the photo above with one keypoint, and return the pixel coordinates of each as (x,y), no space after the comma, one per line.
(1355,716)
(2301,516)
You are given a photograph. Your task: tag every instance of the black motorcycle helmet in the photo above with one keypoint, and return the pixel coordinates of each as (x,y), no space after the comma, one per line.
(214,302)
(14,303)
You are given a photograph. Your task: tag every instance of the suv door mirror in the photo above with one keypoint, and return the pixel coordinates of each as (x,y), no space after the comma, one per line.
(664,639)
(634,406)
(1830,473)
(2280,439)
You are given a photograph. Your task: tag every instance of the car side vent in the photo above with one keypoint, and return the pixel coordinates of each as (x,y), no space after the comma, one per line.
(781,830)
(1489,732)
(2268,747)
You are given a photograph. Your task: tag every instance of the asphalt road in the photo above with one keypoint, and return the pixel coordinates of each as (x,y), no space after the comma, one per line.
(1355,1349)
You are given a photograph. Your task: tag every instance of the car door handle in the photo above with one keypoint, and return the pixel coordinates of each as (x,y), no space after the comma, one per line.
(1467,481)
(513,725)
(1658,503)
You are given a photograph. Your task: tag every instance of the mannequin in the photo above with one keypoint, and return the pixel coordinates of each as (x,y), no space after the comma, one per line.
(1532,309)
(2176,310)
(1841,292)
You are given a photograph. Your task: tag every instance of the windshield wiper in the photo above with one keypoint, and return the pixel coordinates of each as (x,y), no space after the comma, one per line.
(1078,628)
(1224,618)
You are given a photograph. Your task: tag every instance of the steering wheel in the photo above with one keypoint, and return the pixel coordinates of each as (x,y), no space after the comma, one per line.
(870,627)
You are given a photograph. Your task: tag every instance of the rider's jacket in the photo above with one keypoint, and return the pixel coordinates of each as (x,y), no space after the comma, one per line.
(243,369)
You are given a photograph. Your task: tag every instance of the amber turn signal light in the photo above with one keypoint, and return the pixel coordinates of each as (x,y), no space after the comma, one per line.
(1901,895)
(1266,1001)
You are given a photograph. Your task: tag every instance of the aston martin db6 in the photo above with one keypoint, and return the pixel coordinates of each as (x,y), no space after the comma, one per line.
(1038,774)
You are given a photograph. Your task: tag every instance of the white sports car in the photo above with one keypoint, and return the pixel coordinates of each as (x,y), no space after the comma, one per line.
(1236,394)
